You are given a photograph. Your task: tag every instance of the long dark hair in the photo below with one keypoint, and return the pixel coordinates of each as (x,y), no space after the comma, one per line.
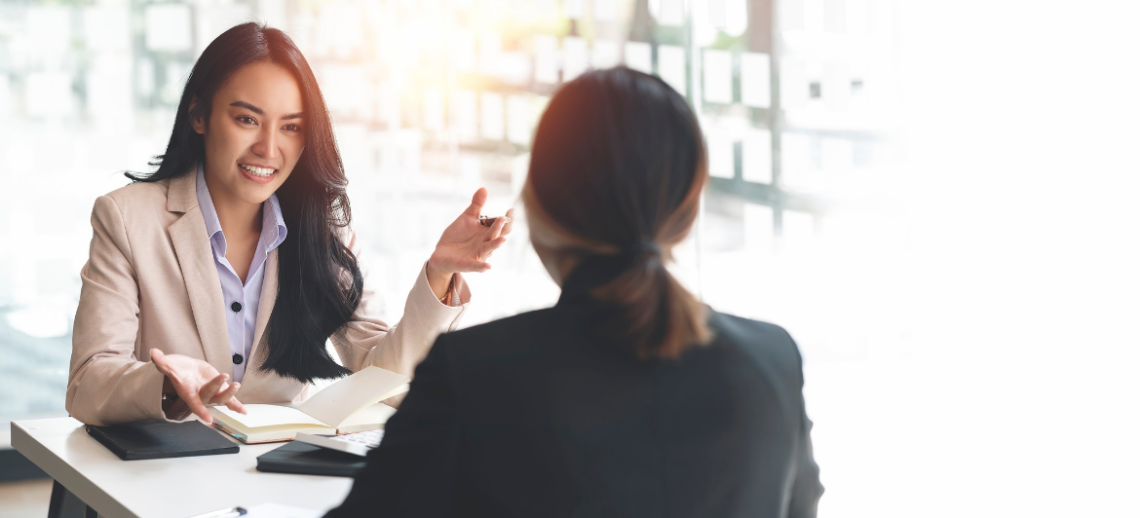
(617,169)
(318,281)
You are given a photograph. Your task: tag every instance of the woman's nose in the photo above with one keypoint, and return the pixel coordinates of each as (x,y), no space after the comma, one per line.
(266,145)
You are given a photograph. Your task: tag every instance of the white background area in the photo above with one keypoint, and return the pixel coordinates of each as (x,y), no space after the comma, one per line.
(968,316)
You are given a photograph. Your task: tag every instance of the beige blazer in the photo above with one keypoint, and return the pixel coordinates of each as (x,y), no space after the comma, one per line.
(151,282)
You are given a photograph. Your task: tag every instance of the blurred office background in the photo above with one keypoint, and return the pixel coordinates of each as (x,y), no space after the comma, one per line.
(906,196)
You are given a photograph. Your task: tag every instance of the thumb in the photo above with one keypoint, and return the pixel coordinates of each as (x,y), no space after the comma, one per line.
(477,203)
(159,359)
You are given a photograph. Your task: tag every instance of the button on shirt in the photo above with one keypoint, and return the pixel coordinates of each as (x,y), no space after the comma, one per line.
(241,299)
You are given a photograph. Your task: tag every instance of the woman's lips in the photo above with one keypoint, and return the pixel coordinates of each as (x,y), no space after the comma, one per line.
(255,178)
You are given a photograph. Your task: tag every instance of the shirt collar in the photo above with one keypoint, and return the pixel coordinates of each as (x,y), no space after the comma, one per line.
(273,230)
(273,222)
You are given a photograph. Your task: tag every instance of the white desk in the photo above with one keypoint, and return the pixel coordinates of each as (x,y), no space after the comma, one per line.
(178,487)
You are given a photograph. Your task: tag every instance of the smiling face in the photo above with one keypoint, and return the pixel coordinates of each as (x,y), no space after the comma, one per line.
(254,136)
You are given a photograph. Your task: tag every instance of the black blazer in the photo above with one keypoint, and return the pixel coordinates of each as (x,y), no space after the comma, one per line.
(531,417)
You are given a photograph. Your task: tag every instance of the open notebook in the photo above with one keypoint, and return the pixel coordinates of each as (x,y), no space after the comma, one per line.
(349,405)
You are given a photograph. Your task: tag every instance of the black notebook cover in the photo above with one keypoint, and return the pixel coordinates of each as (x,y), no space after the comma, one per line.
(306,459)
(161,439)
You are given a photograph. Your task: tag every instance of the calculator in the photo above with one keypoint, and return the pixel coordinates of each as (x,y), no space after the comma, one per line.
(357,443)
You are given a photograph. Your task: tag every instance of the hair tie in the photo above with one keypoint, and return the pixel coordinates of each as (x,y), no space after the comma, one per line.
(646,247)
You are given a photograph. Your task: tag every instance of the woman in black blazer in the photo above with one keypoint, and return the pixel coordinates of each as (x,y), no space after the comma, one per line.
(628,397)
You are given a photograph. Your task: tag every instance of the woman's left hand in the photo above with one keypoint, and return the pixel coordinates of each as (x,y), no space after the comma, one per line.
(466,244)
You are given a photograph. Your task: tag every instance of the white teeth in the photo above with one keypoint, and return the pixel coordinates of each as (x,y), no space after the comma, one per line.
(263,172)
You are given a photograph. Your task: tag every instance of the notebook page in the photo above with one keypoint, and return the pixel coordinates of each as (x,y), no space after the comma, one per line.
(269,415)
(372,417)
(346,397)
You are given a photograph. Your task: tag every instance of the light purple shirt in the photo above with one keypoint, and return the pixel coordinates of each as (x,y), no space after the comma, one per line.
(245,298)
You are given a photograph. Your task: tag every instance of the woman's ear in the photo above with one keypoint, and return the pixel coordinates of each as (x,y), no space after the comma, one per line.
(196,122)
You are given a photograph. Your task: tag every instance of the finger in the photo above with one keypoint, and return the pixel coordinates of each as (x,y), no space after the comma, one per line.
(197,407)
(477,203)
(510,217)
(223,397)
(496,228)
(491,246)
(211,388)
(236,405)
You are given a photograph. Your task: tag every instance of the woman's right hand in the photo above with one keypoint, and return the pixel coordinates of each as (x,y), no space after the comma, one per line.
(197,383)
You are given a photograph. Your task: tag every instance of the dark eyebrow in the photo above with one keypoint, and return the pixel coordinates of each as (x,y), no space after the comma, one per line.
(259,111)
(250,107)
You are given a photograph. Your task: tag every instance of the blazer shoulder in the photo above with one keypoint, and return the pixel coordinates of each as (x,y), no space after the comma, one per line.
(141,197)
(497,337)
(764,342)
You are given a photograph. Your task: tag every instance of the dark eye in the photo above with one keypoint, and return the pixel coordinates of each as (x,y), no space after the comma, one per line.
(292,127)
(245,119)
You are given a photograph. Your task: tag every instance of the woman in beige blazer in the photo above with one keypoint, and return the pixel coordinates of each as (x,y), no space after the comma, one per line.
(218,278)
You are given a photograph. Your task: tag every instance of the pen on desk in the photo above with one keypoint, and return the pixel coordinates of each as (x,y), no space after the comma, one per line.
(229,512)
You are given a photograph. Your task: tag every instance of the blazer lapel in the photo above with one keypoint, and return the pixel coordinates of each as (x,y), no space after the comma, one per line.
(264,310)
(196,259)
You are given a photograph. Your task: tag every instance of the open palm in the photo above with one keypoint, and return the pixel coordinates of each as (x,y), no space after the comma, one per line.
(466,245)
(197,383)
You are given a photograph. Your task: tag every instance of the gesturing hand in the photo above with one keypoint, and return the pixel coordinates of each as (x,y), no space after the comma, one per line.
(466,245)
(197,383)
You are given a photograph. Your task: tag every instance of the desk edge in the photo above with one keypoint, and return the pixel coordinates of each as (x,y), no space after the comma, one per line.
(65,474)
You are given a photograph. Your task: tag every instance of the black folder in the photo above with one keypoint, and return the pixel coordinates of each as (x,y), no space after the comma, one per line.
(161,439)
(306,459)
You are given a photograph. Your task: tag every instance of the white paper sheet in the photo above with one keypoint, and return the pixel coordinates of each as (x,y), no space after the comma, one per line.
(271,510)
(347,396)
(372,417)
(270,415)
